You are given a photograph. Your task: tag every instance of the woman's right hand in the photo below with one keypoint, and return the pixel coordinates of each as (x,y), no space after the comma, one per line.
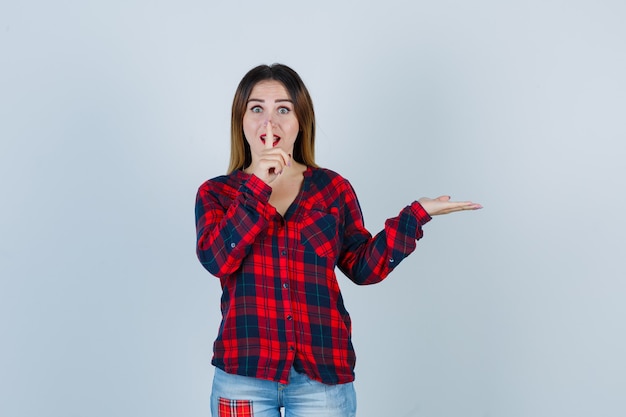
(272,160)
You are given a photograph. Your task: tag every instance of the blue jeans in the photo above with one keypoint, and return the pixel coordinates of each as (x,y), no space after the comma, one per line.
(236,395)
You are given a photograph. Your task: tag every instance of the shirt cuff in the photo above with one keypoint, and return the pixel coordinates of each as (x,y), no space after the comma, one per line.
(420,213)
(258,188)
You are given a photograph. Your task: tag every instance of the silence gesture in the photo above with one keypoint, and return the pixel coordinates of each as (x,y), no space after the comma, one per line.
(272,160)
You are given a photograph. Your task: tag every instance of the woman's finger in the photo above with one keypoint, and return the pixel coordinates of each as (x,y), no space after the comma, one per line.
(271,153)
(269,135)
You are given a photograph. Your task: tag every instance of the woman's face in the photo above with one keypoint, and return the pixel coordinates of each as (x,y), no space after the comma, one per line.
(269,102)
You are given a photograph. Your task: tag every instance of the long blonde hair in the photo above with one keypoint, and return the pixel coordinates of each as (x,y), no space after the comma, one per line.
(304,147)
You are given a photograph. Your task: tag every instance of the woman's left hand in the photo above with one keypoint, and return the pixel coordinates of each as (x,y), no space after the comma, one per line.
(443,205)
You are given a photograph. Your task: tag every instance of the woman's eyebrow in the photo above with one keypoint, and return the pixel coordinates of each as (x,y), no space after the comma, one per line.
(280,100)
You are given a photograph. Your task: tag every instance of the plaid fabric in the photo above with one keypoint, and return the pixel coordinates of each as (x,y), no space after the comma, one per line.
(281,300)
(234,408)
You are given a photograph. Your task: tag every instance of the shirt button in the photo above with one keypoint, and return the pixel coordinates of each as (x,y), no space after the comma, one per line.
(232,245)
(283,253)
(391,260)
(285,285)
(289,317)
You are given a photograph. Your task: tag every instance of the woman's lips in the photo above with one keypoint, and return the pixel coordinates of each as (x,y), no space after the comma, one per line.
(276,139)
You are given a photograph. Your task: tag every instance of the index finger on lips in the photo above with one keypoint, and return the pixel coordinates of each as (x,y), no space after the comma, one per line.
(269,135)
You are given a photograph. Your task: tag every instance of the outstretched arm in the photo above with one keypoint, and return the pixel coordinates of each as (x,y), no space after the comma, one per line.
(367,260)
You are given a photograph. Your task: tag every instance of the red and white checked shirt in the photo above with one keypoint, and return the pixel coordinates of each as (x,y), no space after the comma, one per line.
(281,304)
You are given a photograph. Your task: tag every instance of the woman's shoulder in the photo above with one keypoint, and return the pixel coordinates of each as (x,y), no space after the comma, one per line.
(324,177)
(325,174)
(223,183)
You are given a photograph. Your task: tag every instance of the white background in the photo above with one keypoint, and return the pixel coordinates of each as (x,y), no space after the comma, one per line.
(112,113)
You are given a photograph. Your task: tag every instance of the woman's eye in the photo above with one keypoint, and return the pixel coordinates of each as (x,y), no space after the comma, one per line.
(283,110)
(256,109)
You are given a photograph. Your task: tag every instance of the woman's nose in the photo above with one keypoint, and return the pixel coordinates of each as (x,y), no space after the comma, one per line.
(270,121)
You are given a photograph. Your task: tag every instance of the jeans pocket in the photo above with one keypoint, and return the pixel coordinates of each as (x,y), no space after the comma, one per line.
(234,408)
(341,399)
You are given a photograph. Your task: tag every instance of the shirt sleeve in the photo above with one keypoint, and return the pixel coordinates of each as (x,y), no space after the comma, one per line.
(368,260)
(227,226)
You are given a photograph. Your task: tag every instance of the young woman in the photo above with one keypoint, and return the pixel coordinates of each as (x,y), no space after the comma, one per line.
(273,230)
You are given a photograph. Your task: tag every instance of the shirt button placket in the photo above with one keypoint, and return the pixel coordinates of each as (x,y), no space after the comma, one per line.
(289,322)
(289,325)
(283,263)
